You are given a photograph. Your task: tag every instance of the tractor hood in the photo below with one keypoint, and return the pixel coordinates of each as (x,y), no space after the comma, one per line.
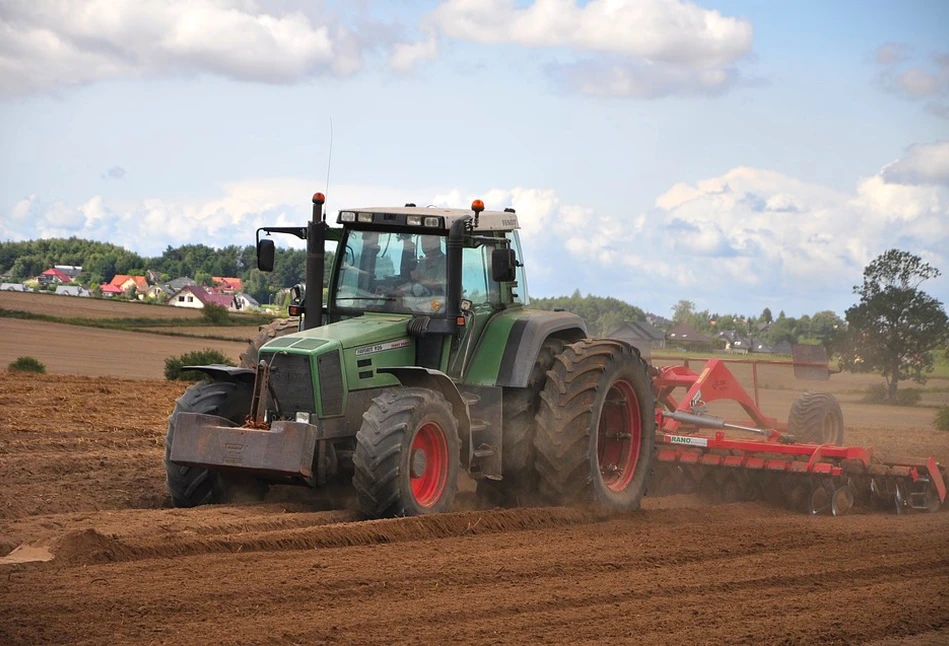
(365,330)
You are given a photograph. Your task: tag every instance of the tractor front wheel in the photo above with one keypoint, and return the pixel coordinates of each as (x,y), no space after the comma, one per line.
(596,427)
(408,455)
(190,486)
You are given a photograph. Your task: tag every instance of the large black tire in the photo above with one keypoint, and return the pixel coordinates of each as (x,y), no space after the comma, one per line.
(519,484)
(816,417)
(408,455)
(595,434)
(279,327)
(192,486)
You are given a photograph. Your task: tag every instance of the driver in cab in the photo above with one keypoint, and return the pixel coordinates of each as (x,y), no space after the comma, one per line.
(430,272)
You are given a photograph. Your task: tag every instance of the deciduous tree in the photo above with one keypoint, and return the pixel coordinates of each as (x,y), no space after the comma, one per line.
(896,327)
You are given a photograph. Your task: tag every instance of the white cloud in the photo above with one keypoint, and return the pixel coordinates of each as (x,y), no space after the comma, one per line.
(639,48)
(922,164)
(659,30)
(406,56)
(926,81)
(52,43)
(736,242)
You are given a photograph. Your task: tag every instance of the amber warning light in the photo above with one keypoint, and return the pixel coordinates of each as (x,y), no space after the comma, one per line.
(477,206)
(319,198)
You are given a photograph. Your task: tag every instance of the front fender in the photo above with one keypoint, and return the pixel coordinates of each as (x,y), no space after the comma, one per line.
(417,377)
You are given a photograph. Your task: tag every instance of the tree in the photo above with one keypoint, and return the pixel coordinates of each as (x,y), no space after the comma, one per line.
(766,316)
(895,327)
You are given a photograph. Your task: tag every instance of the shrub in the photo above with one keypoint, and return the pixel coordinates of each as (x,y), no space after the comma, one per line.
(26,364)
(942,419)
(877,394)
(174,365)
(215,314)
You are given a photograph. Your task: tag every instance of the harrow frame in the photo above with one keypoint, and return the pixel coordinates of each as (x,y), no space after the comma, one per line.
(818,478)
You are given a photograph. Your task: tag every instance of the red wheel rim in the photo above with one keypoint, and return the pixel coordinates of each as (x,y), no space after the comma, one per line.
(428,464)
(619,436)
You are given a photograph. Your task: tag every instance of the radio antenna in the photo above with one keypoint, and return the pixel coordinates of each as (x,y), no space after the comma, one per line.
(329,161)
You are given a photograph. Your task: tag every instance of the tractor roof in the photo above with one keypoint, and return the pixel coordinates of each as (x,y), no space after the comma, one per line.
(400,216)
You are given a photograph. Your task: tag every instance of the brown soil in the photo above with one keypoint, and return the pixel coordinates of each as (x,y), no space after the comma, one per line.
(236,332)
(73,349)
(83,481)
(90,308)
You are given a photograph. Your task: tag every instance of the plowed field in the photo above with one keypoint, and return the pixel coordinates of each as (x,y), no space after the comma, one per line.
(82,487)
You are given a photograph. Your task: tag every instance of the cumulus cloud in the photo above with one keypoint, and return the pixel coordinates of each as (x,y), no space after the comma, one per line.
(739,241)
(921,165)
(52,43)
(924,81)
(635,48)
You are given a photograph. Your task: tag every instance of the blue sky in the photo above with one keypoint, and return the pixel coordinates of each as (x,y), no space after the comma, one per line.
(736,154)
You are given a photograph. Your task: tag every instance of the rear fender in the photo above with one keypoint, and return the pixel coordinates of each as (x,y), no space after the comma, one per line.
(527,337)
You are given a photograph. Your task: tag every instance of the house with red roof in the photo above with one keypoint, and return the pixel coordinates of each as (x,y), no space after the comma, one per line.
(53,275)
(110,291)
(227,284)
(199,297)
(126,283)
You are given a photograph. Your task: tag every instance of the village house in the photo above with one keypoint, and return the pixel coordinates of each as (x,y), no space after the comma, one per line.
(126,283)
(199,297)
(53,276)
(226,285)
(110,291)
(641,335)
(73,290)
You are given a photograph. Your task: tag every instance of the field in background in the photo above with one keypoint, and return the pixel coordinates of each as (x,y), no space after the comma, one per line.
(90,308)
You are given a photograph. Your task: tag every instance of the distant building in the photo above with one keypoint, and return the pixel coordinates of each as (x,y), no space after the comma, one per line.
(14,287)
(227,284)
(640,334)
(687,337)
(53,276)
(177,284)
(110,291)
(126,283)
(198,297)
(73,290)
(70,270)
(244,302)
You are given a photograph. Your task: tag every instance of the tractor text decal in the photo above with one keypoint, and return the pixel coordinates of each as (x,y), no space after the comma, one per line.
(685,439)
(381,347)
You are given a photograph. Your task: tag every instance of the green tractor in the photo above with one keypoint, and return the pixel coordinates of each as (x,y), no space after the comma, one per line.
(424,360)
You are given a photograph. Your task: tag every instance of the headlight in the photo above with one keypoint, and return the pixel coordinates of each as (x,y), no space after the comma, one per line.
(347,216)
(415,220)
(432,221)
(365,217)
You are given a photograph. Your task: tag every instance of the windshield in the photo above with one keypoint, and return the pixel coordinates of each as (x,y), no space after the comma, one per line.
(392,272)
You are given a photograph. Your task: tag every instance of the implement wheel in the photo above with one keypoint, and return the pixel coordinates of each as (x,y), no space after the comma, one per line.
(519,409)
(269,332)
(596,427)
(408,455)
(817,418)
(191,486)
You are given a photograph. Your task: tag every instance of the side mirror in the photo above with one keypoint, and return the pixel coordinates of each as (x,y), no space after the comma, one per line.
(503,265)
(265,255)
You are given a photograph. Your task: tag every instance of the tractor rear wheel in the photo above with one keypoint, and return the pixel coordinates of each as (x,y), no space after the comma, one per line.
(596,427)
(190,486)
(816,417)
(408,455)
(279,327)
(519,409)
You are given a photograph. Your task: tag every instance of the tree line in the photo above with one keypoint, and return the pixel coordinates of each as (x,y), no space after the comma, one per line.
(102,261)
(895,328)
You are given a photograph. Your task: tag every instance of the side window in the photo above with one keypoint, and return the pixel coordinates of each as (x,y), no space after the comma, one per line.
(519,292)
(474,274)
